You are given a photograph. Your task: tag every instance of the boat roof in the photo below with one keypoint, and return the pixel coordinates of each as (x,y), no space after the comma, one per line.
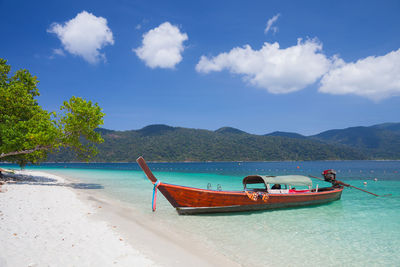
(284,179)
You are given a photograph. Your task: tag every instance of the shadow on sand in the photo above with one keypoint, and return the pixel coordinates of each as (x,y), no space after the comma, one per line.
(40,180)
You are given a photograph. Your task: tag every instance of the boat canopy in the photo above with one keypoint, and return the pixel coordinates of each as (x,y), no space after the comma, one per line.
(297,180)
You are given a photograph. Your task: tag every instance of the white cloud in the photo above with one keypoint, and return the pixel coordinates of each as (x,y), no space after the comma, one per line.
(162,46)
(58,52)
(374,77)
(85,35)
(270,22)
(277,70)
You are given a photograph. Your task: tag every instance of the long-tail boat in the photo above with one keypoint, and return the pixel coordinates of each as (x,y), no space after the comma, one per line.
(270,195)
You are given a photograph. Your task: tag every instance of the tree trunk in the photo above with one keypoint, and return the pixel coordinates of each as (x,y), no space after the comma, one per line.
(22,152)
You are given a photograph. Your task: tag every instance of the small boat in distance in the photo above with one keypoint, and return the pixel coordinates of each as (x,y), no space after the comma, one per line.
(271,192)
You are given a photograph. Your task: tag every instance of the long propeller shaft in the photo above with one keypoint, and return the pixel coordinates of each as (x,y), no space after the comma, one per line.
(348,185)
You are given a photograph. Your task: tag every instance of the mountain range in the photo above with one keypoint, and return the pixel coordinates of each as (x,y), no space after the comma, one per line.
(167,143)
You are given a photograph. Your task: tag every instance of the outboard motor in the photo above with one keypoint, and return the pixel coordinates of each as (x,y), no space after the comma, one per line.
(329,176)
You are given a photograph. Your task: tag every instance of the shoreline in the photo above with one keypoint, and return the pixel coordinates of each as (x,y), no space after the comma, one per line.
(209,161)
(107,231)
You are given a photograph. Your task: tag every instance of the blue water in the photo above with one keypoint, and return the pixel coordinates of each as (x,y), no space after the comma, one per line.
(357,230)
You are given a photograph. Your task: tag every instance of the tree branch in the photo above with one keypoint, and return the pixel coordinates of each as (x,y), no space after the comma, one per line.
(28,151)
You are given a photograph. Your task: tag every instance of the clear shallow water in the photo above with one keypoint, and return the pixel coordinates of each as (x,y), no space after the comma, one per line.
(357,230)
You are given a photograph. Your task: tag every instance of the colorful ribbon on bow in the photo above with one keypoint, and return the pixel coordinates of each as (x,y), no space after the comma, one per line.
(153,202)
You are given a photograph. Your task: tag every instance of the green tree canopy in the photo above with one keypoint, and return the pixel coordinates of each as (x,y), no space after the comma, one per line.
(28,132)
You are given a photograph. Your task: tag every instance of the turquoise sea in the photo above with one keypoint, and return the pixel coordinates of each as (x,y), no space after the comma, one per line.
(358,230)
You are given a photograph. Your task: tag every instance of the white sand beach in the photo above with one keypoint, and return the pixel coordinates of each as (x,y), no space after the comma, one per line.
(46,222)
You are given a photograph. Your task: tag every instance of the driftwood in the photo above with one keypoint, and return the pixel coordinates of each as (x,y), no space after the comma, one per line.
(4,176)
(2,190)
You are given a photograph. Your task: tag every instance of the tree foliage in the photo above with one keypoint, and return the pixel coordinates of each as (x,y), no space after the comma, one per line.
(28,132)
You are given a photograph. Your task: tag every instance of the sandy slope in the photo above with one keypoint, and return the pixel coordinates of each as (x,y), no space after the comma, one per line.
(46,224)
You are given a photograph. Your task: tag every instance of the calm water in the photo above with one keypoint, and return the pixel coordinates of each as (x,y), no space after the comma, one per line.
(358,230)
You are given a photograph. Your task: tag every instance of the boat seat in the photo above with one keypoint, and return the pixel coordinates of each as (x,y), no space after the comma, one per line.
(299,191)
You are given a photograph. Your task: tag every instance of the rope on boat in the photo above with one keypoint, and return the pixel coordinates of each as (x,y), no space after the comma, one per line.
(254,196)
(265,197)
(154,200)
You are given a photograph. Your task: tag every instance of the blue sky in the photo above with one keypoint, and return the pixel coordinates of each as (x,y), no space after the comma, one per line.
(320,65)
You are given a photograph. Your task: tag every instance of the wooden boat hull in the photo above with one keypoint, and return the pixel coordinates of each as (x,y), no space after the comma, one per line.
(188,200)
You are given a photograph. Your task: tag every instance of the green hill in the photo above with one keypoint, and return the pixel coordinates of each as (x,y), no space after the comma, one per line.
(380,141)
(229,130)
(166,143)
(287,134)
